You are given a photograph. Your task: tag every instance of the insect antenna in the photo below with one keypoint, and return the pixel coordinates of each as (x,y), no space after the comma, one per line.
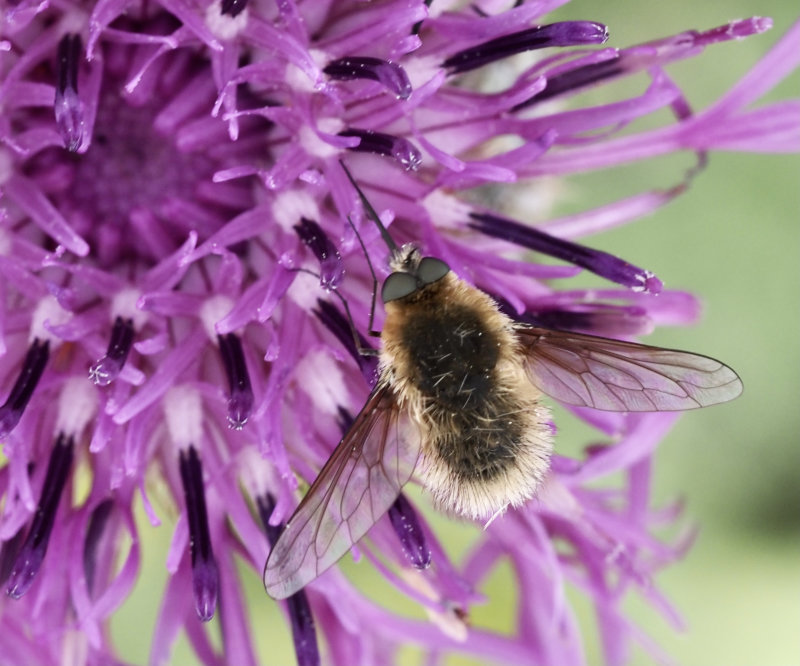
(371,213)
(386,238)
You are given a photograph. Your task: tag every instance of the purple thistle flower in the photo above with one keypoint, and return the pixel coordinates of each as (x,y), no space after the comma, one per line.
(175,223)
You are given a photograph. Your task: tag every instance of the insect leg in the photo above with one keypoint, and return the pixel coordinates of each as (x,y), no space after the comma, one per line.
(363,351)
(372,331)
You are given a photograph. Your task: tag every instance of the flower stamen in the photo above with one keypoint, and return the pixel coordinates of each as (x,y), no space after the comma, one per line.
(8,553)
(232,7)
(338,324)
(97,523)
(412,538)
(387,73)
(107,369)
(240,403)
(402,150)
(330,261)
(205,575)
(32,369)
(575,79)
(68,106)
(31,554)
(567,33)
(605,319)
(598,262)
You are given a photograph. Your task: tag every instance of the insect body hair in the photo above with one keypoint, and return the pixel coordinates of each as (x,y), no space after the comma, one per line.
(453,360)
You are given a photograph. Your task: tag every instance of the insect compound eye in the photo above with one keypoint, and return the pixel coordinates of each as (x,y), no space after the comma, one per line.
(431,269)
(398,285)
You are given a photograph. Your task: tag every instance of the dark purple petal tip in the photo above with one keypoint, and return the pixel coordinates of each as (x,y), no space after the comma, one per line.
(567,33)
(339,325)
(598,262)
(26,566)
(300,616)
(205,576)
(31,554)
(240,406)
(345,419)
(330,261)
(107,369)
(303,632)
(266,505)
(32,368)
(232,8)
(68,106)
(412,538)
(8,554)
(632,60)
(94,533)
(8,420)
(576,79)
(598,318)
(402,150)
(240,402)
(205,588)
(387,73)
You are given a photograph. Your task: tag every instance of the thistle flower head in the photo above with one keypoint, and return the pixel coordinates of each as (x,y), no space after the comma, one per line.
(179,270)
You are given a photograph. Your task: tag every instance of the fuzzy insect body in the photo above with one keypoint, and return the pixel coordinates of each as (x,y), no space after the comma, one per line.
(452,359)
(458,405)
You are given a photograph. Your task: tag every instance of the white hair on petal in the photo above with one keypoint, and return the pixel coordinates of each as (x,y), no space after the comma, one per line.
(125,304)
(183,409)
(77,405)
(289,206)
(48,310)
(213,310)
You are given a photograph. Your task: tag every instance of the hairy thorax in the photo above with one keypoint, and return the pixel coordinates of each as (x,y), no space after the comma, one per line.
(454,361)
(443,344)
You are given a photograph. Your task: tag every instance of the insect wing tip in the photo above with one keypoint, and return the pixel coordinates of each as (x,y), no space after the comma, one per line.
(620,376)
(727,386)
(278,585)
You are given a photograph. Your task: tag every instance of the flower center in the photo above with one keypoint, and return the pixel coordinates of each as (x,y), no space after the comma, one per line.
(130,169)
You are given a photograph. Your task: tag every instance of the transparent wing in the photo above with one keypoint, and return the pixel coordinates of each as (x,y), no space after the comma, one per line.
(623,376)
(357,485)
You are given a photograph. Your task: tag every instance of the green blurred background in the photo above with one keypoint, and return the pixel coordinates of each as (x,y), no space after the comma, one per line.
(734,240)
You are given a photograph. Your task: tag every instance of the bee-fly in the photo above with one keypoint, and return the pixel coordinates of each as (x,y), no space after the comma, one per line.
(458,403)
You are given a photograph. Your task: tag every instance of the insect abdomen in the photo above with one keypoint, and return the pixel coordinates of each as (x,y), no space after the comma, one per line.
(478,463)
(478,448)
